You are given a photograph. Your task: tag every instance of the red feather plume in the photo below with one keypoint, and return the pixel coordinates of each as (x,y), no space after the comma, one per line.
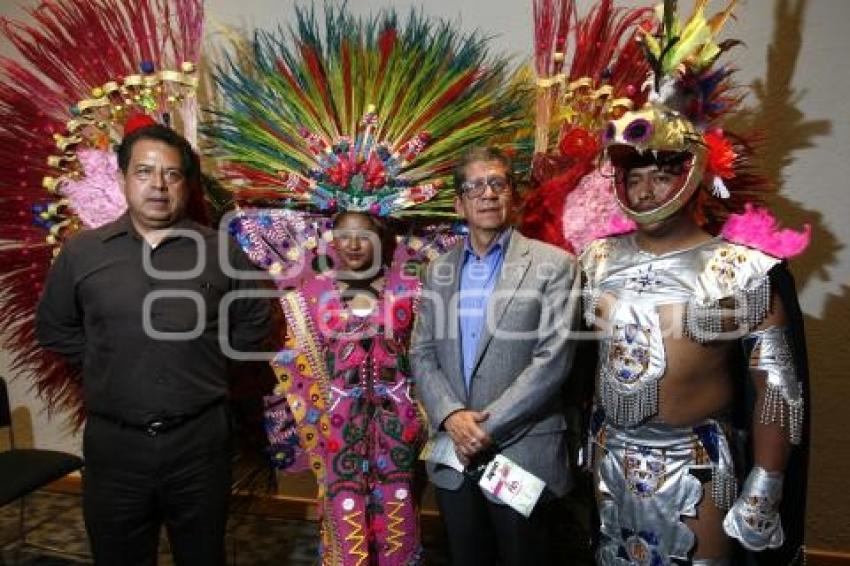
(71,47)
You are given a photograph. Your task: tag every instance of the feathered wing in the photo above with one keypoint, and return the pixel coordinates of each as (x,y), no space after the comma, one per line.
(87,66)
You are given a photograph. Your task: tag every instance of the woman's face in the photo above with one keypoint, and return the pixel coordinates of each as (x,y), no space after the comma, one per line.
(357,242)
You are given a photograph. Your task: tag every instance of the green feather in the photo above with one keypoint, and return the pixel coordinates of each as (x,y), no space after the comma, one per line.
(276,93)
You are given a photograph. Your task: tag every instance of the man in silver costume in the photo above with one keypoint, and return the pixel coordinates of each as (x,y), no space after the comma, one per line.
(676,308)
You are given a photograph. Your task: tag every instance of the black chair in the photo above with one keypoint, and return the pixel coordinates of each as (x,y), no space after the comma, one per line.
(24,470)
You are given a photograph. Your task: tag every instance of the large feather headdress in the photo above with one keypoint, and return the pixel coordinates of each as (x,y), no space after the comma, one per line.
(657,83)
(85,69)
(358,114)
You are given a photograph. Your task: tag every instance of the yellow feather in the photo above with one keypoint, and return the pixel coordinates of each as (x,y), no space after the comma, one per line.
(706,55)
(695,34)
(659,12)
(719,20)
(651,43)
(699,7)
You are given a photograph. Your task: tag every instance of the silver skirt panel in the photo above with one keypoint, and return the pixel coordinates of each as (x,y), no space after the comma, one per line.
(645,488)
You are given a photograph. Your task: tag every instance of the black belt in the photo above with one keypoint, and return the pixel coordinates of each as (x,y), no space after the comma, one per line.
(161,424)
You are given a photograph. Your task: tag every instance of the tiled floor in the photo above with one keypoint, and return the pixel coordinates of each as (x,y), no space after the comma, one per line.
(51,519)
(55,520)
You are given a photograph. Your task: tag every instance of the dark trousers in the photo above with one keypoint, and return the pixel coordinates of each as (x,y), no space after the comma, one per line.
(484,533)
(133,484)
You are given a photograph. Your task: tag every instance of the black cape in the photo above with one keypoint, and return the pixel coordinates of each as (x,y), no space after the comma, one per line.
(793,506)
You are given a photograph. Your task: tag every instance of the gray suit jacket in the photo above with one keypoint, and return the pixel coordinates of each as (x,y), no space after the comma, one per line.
(521,364)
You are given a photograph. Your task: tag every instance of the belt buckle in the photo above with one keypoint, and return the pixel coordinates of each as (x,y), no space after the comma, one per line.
(154,427)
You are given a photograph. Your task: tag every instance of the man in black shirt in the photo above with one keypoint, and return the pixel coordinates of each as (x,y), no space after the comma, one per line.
(148,309)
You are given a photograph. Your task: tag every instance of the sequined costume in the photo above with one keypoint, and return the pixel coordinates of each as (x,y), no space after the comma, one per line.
(701,279)
(645,479)
(649,87)
(346,381)
(644,467)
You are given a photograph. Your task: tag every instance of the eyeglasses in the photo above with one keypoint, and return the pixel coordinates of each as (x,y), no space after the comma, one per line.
(474,188)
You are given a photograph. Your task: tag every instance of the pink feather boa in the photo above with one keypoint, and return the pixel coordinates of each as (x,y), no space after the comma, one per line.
(592,212)
(758,228)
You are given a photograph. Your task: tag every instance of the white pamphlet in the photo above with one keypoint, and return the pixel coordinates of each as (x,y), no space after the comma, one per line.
(512,485)
(441,450)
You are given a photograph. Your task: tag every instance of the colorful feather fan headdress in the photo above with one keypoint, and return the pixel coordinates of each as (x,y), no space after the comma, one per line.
(634,56)
(368,116)
(601,79)
(92,66)
(687,102)
(87,67)
(589,70)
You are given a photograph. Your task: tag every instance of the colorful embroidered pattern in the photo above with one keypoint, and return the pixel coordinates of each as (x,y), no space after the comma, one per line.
(348,383)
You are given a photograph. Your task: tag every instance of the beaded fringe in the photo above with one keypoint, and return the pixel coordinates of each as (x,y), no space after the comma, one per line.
(756,302)
(630,409)
(724,488)
(773,411)
(704,323)
(590,300)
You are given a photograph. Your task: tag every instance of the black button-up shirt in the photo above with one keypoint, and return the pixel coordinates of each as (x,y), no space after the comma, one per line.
(150,340)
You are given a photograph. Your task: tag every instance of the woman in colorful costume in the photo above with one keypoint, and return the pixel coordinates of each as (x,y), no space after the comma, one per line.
(352,135)
(700,331)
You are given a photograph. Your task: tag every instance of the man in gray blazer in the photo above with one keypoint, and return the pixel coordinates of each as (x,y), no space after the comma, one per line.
(491,351)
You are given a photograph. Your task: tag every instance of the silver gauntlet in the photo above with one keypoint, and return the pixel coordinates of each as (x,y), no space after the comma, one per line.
(770,351)
(754,518)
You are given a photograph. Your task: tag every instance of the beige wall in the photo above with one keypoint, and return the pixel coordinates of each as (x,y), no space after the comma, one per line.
(797,59)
